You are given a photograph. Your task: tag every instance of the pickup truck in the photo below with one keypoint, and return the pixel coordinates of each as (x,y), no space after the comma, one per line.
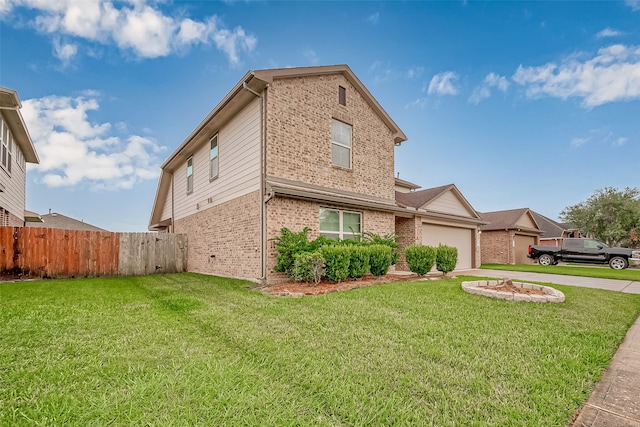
(584,250)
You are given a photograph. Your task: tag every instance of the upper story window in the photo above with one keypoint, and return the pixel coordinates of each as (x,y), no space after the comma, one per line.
(213,158)
(341,144)
(6,147)
(337,224)
(190,175)
(342,95)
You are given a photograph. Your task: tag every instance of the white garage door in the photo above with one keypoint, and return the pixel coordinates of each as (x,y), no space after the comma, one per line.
(433,235)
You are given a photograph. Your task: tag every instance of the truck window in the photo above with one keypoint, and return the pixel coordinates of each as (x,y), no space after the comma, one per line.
(593,244)
(573,243)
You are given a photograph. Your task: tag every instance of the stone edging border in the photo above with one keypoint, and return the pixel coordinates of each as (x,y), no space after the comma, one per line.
(480,288)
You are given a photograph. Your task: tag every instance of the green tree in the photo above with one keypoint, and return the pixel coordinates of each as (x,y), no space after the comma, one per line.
(610,215)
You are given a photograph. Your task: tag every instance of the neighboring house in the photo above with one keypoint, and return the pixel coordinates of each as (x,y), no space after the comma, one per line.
(16,150)
(507,236)
(552,231)
(57,220)
(295,147)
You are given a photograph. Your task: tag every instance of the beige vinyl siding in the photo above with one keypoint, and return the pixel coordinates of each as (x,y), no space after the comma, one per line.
(239,166)
(166,209)
(13,196)
(526,222)
(449,203)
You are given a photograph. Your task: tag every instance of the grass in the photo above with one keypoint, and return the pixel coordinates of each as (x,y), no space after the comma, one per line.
(188,349)
(632,273)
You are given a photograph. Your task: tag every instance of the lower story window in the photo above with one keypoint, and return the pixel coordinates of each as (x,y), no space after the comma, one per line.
(338,224)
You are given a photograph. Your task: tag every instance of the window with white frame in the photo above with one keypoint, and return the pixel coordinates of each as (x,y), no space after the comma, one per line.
(213,157)
(341,144)
(339,224)
(6,146)
(190,175)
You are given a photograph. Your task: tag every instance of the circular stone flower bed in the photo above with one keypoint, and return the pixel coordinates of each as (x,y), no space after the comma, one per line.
(513,291)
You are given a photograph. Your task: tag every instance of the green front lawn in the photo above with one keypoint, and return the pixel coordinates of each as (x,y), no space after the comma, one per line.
(189,349)
(601,272)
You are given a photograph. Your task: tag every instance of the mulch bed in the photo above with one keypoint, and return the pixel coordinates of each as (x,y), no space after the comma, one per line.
(299,289)
(508,286)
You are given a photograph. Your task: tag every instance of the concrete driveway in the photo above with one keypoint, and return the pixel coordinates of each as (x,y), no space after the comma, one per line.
(627,286)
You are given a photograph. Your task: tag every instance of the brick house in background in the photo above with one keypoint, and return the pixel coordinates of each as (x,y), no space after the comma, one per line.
(507,236)
(16,150)
(295,147)
(553,231)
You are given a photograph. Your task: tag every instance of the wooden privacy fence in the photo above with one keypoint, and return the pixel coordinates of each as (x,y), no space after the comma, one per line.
(48,252)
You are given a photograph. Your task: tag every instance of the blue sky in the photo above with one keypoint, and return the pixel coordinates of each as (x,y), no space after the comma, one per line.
(520,104)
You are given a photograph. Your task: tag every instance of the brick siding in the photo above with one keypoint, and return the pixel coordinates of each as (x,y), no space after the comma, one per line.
(225,239)
(300,112)
(497,247)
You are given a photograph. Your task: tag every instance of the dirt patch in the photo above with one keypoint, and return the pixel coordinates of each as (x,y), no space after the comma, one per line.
(508,286)
(299,289)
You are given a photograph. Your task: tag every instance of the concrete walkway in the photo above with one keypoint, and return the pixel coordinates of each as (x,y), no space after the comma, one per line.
(586,282)
(615,401)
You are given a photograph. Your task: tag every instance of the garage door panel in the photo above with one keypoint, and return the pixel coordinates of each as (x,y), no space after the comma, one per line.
(522,248)
(460,238)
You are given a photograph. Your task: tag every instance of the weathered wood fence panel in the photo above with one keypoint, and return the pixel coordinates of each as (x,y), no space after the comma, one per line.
(47,252)
(149,253)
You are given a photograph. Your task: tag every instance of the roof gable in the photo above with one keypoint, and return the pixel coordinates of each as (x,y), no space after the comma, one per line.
(446,199)
(10,106)
(520,219)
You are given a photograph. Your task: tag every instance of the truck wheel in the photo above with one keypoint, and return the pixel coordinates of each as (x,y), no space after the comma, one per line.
(545,260)
(618,263)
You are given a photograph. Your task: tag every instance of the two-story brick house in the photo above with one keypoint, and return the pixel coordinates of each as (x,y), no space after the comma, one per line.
(296,147)
(16,150)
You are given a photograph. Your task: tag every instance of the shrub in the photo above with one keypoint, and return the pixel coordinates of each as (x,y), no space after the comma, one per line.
(358,261)
(308,267)
(420,258)
(446,258)
(379,259)
(336,260)
(386,240)
(288,246)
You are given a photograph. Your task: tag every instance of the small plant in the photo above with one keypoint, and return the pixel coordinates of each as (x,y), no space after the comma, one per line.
(386,240)
(420,258)
(308,267)
(358,261)
(337,260)
(379,259)
(446,258)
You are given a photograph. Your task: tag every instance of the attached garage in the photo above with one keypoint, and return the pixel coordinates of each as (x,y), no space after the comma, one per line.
(460,238)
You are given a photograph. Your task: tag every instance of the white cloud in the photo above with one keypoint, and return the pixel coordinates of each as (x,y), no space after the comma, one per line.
(578,142)
(600,136)
(133,26)
(444,84)
(608,32)
(610,76)
(65,52)
(374,18)
(414,72)
(73,150)
(633,4)
(492,80)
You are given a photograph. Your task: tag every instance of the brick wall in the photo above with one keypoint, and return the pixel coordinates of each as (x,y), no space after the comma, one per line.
(496,247)
(297,214)
(409,231)
(225,239)
(299,115)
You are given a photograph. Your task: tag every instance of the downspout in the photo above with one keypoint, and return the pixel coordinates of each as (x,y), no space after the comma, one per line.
(173,201)
(263,201)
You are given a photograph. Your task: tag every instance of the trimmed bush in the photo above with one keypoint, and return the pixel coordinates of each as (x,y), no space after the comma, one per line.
(308,267)
(386,240)
(358,261)
(379,259)
(336,259)
(420,258)
(446,259)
